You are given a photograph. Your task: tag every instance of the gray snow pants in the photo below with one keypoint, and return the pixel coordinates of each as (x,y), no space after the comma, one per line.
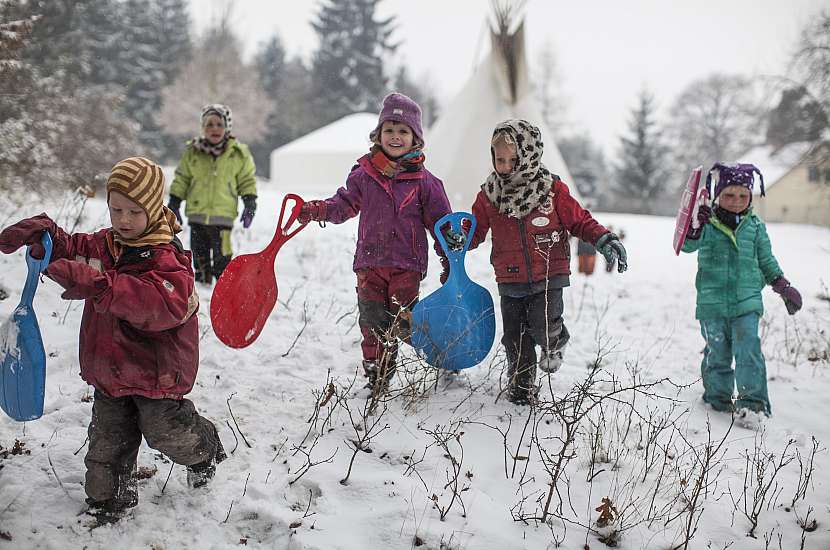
(170,426)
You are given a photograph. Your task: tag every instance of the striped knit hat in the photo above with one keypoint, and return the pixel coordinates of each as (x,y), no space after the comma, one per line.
(142,181)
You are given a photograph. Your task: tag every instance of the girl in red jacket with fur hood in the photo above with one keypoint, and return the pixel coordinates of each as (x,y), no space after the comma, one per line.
(139,342)
(531,214)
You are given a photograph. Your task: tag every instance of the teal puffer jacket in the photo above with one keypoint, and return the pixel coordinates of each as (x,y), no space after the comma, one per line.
(732,268)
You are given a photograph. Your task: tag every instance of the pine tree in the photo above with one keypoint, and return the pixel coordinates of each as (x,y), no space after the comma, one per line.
(642,173)
(587,166)
(285,83)
(158,46)
(797,117)
(419,91)
(348,68)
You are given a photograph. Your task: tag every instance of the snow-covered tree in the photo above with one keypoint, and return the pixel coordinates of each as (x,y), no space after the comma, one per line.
(812,59)
(284,82)
(348,67)
(642,171)
(216,73)
(547,86)
(716,118)
(157,46)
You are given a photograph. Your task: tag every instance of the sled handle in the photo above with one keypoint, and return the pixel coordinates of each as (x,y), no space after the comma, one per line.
(284,232)
(36,267)
(455,219)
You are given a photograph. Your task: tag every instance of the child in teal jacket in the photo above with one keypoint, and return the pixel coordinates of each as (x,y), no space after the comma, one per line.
(735,262)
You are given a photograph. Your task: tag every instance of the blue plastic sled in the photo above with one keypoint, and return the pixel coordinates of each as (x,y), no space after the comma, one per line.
(23,376)
(454,327)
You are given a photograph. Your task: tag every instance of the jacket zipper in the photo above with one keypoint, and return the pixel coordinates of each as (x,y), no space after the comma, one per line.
(525,251)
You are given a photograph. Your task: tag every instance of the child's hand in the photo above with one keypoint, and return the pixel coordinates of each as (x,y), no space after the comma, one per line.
(611,247)
(445,270)
(312,211)
(791,297)
(27,232)
(174,204)
(248,212)
(80,280)
(455,240)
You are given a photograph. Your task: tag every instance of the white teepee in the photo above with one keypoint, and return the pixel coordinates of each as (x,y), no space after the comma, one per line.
(458,144)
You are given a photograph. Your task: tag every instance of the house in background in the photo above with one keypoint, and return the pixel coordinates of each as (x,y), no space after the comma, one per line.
(797,178)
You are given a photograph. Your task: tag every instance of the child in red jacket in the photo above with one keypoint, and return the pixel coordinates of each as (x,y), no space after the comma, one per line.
(139,340)
(531,213)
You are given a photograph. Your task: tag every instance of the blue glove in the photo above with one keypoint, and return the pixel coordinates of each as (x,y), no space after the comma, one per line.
(174,204)
(609,245)
(248,212)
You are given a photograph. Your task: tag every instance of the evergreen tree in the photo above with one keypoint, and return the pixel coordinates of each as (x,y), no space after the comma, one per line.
(797,117)
(587,166)
(642,173)
(420,91)
(270,64)
(158,45)
(348,68)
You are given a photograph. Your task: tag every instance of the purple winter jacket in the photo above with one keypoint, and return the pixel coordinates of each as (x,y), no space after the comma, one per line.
(394,213)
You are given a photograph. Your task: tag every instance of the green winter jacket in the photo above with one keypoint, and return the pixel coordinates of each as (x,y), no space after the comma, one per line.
(212,186)
(732,268)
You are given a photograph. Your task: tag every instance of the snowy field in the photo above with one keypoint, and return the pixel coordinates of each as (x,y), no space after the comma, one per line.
(626,403)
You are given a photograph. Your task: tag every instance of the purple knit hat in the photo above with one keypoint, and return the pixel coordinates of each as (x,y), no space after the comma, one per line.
(724,175)
(400,108)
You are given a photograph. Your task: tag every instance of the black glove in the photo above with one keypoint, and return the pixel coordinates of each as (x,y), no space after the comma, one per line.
(610,246)
(174,204)
(248,212)
(455,240)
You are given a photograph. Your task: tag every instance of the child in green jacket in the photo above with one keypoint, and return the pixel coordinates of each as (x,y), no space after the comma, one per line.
(735,262)
(213,173)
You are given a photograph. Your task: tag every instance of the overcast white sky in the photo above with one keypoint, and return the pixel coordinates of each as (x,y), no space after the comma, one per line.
(606,50)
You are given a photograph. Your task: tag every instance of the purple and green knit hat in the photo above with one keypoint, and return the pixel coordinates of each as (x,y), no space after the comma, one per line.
(723,175)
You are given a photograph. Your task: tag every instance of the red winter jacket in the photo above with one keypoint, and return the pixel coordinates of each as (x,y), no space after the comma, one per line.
(140,334)
(534,248)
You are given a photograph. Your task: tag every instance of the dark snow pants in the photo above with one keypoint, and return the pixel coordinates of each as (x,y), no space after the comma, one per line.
(384,295)
(170,426)
(212,252)
(527,322)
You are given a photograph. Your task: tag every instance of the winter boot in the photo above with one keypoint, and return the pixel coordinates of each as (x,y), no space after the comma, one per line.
(200,474)
(109,511)
(522,389)
(370,371)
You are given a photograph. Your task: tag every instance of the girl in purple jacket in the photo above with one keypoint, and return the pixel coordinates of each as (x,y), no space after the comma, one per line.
(399,201)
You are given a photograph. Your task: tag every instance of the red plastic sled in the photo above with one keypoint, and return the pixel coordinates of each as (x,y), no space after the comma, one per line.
(688,208)
(246,292)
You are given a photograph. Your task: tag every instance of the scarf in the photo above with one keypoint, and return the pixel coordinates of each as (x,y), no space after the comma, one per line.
(730,219)
(410,162)
(527,187)
(202,144)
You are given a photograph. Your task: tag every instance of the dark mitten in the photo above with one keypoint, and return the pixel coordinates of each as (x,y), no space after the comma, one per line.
(27,232)
(248,212)
(80,280)
(174,204)
(455,240)
(610,246)
(791,297)
(703,215)
(312,211)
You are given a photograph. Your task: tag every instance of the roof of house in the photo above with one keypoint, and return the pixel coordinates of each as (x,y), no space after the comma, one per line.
(774,163)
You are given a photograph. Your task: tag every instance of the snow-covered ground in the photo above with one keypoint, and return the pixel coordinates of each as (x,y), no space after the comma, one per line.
(646,450)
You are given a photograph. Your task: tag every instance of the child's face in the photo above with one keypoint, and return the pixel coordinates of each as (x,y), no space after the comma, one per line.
(734,198)
(396,139)
(214,129)
(128,218)
(504,157)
